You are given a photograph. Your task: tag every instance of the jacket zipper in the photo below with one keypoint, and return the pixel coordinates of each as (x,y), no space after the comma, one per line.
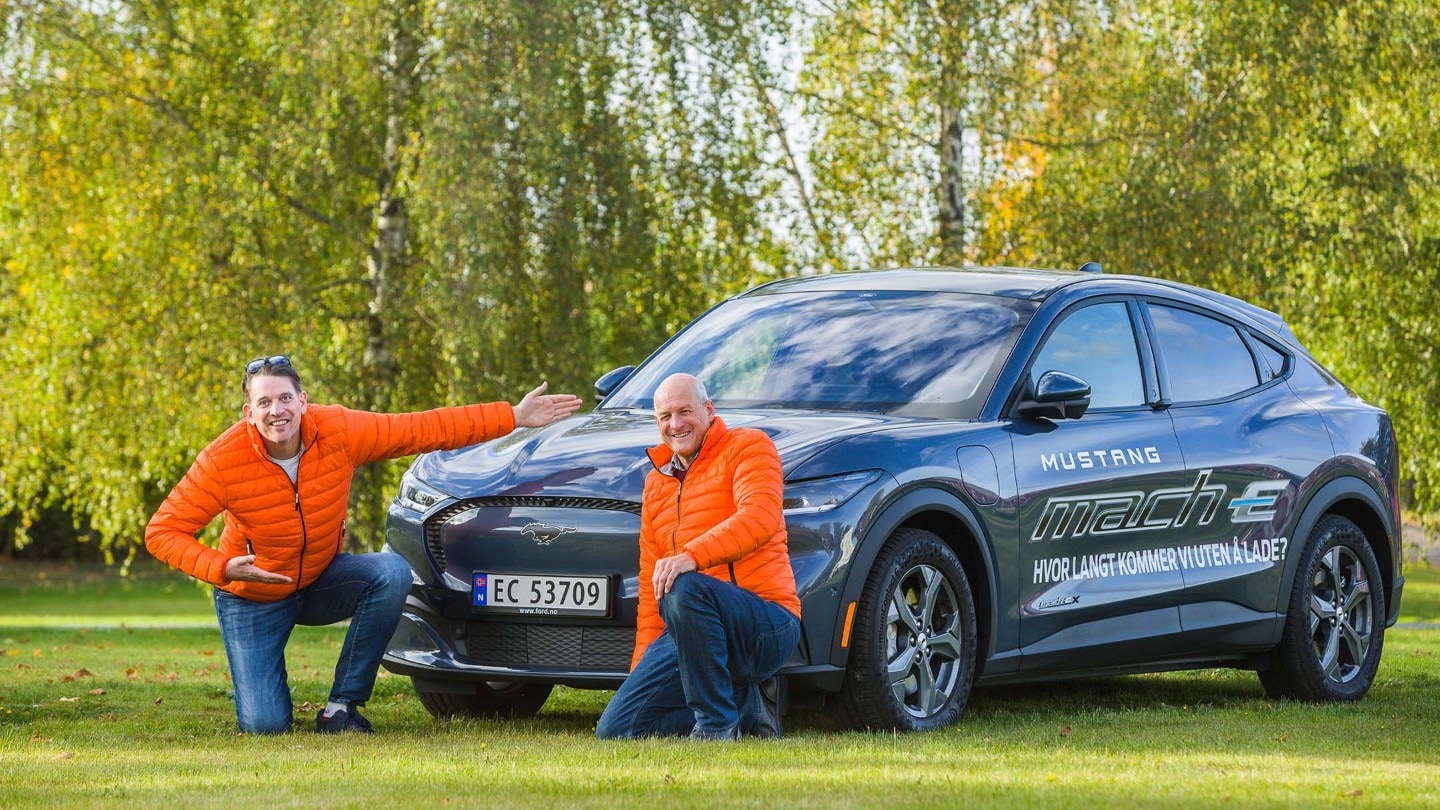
(679,490)
(675,549)
(304,535)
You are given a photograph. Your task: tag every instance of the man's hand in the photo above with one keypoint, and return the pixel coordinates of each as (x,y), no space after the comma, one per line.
(243,569)
(539,410)
(668,568)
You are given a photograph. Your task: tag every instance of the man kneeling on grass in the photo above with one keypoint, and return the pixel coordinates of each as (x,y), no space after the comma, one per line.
(718,614)
(281,476)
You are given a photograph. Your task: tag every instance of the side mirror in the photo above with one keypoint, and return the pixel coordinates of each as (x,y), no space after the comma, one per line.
(611,380)
(1057,395)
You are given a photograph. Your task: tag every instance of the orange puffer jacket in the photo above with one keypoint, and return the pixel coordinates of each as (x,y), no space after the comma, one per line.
(296,529)
(726,515)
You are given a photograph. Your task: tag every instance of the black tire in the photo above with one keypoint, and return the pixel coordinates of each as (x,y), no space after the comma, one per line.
(1334,622)
(489,700)
(913,653)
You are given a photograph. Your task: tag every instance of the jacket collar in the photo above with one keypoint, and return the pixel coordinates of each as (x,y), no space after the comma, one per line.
(664,458)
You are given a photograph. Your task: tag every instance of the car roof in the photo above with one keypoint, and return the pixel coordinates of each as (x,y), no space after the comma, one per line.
(1011,282)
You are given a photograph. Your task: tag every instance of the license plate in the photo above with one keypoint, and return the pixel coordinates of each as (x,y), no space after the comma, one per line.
(541,594)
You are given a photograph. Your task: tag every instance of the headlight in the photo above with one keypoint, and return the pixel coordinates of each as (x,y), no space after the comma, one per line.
(417,496)
(824,494)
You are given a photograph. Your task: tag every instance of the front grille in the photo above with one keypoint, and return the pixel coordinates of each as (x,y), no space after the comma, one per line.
(550,647)
(432,526)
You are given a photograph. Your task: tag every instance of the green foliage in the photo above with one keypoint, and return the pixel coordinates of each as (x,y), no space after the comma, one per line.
(432,203)
(518,195)
(1281,153)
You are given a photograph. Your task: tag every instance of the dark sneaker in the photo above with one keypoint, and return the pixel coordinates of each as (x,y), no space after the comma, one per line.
(348,719)
(772,707)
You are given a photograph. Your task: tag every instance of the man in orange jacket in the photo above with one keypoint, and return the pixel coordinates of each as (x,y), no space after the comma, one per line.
(718,614)
(281,477)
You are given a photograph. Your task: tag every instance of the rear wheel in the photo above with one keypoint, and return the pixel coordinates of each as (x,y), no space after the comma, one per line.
(913,658)
(1335,622)
(493,699)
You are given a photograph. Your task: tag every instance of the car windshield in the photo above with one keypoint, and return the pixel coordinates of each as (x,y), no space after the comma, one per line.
(909,353)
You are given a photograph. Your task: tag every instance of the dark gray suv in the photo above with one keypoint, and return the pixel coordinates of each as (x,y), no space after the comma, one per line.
(992,475)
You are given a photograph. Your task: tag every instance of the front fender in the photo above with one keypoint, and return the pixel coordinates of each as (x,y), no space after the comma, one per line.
(922,507)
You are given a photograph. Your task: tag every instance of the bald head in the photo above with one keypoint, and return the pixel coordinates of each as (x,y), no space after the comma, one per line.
(682,385)
(683,412)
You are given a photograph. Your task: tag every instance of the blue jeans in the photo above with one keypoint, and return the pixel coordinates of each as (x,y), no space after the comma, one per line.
(703,672)
(369,589)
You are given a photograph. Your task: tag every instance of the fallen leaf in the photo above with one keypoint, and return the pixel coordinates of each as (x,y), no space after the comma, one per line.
(38,737)
(97,691)
(69,700)
(66,755)
(1065,732)
(159,700)
(132,673)
(84,673)
(1355,794)
(1283,737)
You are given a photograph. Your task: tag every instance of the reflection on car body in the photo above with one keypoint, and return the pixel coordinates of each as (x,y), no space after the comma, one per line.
(992,475)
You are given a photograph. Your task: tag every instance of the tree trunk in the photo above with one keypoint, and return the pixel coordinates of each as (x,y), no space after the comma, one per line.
(389,254)
(952,185)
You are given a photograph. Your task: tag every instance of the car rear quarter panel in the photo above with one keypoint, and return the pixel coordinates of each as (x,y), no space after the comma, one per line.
(1361,480)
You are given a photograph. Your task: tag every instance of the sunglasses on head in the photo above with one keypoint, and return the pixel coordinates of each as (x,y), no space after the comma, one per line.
(260,362)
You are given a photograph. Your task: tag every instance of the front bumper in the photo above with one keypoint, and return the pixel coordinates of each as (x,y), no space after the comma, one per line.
(589,656)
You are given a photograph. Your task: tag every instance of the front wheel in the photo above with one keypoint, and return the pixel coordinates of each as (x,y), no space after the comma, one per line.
(914,654)
(1335,622)
(484,699)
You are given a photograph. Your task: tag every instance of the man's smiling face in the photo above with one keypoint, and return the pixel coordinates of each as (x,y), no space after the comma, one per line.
(275,408)
(682,416)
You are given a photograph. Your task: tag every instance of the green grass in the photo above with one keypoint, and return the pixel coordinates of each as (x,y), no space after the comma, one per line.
(114,693)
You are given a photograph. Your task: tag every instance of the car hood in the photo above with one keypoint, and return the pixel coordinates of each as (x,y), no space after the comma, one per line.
(601,454)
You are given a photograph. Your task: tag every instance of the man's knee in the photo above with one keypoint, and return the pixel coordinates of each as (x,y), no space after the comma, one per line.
(390,574)
(688,590)
(613,727)
(262,722)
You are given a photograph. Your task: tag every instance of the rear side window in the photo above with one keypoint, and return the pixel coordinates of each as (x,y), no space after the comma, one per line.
(1204,358)
(1272,360)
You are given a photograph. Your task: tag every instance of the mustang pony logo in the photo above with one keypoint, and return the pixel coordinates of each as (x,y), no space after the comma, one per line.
(544,533)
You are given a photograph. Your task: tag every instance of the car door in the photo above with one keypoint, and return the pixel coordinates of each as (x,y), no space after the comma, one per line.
(1098,499)
(1239,428)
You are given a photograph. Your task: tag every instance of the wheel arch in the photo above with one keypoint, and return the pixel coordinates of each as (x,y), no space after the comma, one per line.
(1352,499)
(952,520)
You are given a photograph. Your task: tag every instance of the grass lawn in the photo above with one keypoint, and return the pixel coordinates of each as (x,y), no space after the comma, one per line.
(113,692)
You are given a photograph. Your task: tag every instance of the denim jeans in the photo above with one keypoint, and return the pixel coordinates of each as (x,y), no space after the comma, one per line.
(703,672)
(369,589)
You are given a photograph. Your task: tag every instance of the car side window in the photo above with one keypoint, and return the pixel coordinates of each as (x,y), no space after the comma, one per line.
(1274,360)
(1204,358)
(1096,344)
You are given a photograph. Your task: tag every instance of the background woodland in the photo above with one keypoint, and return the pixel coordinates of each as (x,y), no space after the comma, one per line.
(430,203)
